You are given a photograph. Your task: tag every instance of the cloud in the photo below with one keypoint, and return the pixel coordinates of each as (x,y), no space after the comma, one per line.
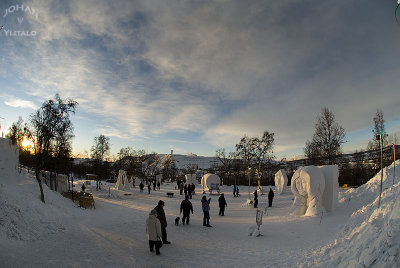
(19,103)
(149,70)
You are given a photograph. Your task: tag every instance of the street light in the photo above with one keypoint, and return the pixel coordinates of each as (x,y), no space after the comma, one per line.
(249,182)
(394,162)
(379,137)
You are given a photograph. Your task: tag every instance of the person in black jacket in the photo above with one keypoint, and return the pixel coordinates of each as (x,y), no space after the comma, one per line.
(163,221)
(270,197)
(186,207)
(222,204)
(255,199)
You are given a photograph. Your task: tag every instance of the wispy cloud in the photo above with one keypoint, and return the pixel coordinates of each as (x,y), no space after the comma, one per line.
(18,103)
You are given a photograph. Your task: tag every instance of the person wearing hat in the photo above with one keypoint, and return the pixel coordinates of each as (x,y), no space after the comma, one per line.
(222,204)
(153,231)
(163,221)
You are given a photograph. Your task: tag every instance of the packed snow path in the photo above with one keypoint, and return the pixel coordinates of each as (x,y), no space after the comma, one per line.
(60,234)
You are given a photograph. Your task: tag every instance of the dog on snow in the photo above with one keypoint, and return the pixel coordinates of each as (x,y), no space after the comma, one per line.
(177,220)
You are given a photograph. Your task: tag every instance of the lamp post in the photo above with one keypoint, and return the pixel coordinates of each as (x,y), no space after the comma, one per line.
(380,191)
(249,182)
(394,162)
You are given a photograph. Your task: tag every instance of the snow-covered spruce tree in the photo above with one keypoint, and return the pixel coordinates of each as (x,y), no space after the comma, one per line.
(327,139)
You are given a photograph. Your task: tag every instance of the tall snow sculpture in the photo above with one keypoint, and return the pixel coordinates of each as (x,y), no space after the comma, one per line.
(331,192)
(191,178)
(9,158)
(281,181)
(159,178)
(122,179)
(209,179)
(308,185)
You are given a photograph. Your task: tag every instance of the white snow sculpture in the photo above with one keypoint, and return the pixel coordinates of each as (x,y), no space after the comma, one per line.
(9,158)
(159,178)
(209,179)
(331,192)
(122,179)
(281,181)
(308,185)
(191,178)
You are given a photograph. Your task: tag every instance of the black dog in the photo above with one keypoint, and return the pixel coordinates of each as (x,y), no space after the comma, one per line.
(177,220)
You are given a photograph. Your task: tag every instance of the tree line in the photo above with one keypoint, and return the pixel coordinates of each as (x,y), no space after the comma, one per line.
(51,132)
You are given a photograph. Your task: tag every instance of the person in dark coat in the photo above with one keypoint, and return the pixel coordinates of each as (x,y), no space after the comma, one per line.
(158,185)
(205,205)
(148,188)
(234,190)
(255,199)
(222,204)
(185,189)
(237,190)
(190,189)
(186,207)
(141,186)
(161,216)
(270,197)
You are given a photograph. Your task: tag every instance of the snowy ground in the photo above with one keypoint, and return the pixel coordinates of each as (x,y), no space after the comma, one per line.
(60,234)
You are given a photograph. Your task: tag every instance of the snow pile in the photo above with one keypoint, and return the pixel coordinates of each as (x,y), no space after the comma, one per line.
(371,237)
(308,185)
(281,181)
(20,218)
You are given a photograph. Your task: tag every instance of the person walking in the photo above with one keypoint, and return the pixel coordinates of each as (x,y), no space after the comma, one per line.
(161,216)
(158,185)
(222,204)
(148,188)
(186,207)
(270,197)
(255,199)
(234,190)
(237,191)
(153,231)
(205,205)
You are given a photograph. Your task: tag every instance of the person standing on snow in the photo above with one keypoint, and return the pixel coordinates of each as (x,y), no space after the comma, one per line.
(153,231)
(234,190)
(148,188)
(255,199)
(205,205)
(270,197)
(186,207)
(163,220)
(222,204)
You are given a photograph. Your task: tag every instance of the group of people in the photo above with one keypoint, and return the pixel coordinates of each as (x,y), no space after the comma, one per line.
(156,223)
(270,198)
(155,184)
(236,190)
(188,188)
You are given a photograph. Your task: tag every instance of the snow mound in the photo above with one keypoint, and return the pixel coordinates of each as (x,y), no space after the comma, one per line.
(371,237)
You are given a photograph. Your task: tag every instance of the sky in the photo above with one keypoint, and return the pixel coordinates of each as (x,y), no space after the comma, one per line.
(195,76)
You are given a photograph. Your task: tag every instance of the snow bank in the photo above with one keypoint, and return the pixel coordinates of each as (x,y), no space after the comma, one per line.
(281,181)
(308,184)
(209,179)
(371,237)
